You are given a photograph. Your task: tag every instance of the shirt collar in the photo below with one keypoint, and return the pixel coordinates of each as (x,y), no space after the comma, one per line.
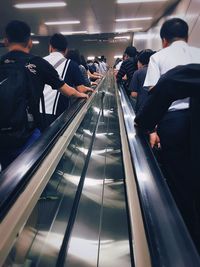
(56,55)
(179,42)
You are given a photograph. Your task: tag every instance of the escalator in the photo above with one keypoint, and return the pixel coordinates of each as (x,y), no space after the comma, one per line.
(93,198)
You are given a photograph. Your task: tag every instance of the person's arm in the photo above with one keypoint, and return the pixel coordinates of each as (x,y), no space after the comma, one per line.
(94,75)
(134,94)
(178,83)
(134,85)
(84,89)
(70,91)
(122,72)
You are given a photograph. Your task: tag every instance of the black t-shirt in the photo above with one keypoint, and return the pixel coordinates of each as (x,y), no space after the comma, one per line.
(41,72)
(74,76)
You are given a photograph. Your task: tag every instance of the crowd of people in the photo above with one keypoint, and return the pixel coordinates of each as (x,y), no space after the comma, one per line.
(35,91)
(161,87)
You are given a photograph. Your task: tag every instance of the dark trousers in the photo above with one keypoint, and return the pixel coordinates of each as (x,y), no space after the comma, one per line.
(174,133)
(9,155)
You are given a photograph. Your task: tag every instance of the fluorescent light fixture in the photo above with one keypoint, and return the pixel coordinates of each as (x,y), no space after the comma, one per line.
(133,19)
(138,1)
(118,56)
(32,33)
(40,5)
(90,58)
(122,37)
(66,22)
(94,33)
(75,32)
(146,36)
(35,42)
(128,30)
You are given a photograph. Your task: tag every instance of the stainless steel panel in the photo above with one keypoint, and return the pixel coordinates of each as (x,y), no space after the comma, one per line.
(40,240)
(100,235)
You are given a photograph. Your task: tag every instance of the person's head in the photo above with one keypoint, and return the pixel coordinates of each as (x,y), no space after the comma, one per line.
(18,35)
(144,57)
(130,52)
(58,42)
(173,30)
(83,62)
(74,55)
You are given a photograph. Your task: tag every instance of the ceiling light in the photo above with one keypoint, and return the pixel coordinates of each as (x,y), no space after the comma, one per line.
(137,1)
(122,37)
(94,32)
(128,30)
(118,56)
(90,58)
(35,42)
(140,36)
(133,19)
(32,33)
(62,22)
(40,5)
(76,32)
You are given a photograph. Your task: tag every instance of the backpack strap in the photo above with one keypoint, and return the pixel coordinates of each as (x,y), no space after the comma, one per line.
(60,61)
(58,93)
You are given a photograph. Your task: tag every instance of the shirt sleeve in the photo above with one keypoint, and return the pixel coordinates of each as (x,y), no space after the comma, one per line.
(47,73)
(121,72)
(84,73)
(76,77)
(134,84)
(153,73)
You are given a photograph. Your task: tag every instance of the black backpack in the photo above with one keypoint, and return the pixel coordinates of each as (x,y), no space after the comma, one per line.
(17,101)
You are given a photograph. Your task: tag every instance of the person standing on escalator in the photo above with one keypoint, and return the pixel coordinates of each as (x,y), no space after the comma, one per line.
(172,132)
(22,80)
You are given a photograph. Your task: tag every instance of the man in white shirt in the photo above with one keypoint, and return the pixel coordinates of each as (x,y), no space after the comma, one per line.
(174,35)
(173,130)
(56,103)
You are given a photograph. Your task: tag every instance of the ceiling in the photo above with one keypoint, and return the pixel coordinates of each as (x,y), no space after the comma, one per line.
(95,16)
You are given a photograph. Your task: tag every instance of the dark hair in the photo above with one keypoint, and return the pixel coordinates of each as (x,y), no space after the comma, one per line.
(144,56)
(17,31)
(131,51)
(74,55)
(174,28)
(83,62)
(59,42)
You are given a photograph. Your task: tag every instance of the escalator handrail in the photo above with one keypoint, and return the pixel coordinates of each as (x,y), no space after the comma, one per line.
(15,178)
(168,239)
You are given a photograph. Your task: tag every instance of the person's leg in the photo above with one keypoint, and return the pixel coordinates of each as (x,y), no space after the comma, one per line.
(174,133)
(7,156)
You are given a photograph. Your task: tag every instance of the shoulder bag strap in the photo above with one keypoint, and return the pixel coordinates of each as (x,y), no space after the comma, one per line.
(58,93)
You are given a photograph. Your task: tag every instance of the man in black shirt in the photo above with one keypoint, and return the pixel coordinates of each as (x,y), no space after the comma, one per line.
(18,42)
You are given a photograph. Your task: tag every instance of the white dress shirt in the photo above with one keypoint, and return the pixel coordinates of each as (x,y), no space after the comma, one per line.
(178,53)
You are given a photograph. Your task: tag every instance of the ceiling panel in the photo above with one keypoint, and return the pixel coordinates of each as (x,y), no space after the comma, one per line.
(94,15)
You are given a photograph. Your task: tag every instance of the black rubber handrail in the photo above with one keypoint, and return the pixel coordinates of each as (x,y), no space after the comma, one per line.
(168,239)
(15,178)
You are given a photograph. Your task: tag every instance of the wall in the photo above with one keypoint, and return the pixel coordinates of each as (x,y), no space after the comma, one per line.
(189,10)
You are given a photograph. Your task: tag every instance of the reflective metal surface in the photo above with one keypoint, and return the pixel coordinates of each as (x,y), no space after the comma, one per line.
(168,238)
(100,234)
